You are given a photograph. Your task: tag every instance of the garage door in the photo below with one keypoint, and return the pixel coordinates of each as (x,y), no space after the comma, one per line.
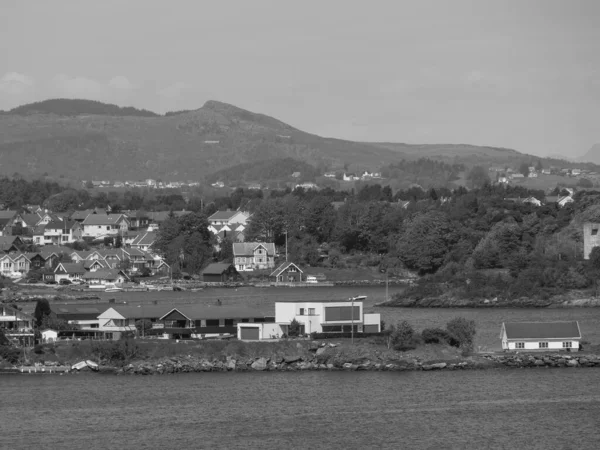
(371,328)
(250,333)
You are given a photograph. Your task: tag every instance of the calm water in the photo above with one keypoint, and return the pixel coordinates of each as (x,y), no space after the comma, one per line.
(512,409)
(488,320)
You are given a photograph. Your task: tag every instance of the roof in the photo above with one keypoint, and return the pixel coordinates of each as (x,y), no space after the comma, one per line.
(60,224)
(223,215)
(7,214)
(216,268)
(542,330)
(71,268)
(196,312)
(103,219)
(108,274)
(31,219)
(7,242)
(78,311)
(141,311)
(247,248)
(283,267)
(144,239)
(357,299)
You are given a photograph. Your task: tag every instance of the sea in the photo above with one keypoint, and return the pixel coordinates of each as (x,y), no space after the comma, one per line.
(540,408)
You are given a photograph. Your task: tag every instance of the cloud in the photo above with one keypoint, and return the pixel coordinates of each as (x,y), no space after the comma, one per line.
(174,90)
(121,82)
(78,87)
(15,83)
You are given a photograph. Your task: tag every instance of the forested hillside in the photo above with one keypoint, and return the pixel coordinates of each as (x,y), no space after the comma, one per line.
(77,107)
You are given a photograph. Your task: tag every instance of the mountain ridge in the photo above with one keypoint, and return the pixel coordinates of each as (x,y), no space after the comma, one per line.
(64,137)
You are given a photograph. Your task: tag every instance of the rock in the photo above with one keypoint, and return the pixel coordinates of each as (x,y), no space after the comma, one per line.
(332,345)
(313,346)
(330,366)
(320,351)
(305,366)
(292,359)
(439,366)
(583,361)
(349,366)
(572,363)
(259,364)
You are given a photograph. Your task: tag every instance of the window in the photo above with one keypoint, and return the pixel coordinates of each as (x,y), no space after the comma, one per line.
(567,344)
(301,311)
(311,311)
(212,322)
(594,231)
(543,345)
(519,344)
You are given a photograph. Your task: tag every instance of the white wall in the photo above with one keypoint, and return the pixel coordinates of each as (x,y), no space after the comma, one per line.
(265,330)
(534,345)
(285,312)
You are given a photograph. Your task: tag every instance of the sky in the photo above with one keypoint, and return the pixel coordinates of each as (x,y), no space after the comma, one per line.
(522,74)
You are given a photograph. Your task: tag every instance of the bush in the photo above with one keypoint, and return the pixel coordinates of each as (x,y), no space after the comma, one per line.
(294,328)
(38,349)
(463,332)
(403,337)
(436,336)
(119,351)
(10,354)
(318,336)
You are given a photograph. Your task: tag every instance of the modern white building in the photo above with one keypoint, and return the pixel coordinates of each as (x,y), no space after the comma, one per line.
(323,316)
(540,336)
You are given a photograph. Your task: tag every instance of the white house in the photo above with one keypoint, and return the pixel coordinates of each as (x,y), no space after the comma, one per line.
(540,336)
(228,217)
(49,335)
(248,256)
(97,225)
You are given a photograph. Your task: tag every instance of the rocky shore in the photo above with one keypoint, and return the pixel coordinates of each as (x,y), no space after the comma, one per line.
(324,357)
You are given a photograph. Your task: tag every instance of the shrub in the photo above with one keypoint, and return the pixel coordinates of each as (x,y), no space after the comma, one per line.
(435,336)
(463,332)
(294,329)
(119,351)
(10,354)
(38,349)
(403,337)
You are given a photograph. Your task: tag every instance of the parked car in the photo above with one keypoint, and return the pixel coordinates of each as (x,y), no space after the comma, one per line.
(50,282)
(64,281)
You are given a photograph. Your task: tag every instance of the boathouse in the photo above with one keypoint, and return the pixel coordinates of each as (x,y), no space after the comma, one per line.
(540,336)
(288,272)
(220,273)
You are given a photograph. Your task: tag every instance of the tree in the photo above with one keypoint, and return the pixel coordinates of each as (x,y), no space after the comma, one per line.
(463,332)
(585,183)
(143,326)
(477,177)
(226,252)
(524,169)
(57,324)
(403,336)
(294,329)
(42,309)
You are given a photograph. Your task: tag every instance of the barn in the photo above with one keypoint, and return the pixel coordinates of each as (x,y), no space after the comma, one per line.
(288,272)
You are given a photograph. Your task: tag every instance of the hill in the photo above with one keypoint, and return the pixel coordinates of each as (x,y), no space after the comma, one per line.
(77,107)
(279,169)
(81,139)
(592,155)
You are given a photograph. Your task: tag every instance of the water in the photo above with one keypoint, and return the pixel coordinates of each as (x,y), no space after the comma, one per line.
(513,409)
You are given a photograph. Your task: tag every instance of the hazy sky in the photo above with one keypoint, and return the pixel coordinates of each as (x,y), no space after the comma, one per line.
(520,74)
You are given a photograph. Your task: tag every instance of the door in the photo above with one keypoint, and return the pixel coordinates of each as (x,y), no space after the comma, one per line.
(250,333)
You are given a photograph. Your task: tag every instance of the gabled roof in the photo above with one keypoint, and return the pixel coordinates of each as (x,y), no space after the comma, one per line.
(56,249)
(197,312)
(78,311)
(542,330)
(224,215)
(108,274)
(104,219)
(89,263)
(140,311)
(6,242)
(247,248)
(216,268)
(284,267)
(61,225)
(70,268)
(31,220)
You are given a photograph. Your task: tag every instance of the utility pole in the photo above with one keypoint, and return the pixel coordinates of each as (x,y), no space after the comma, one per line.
(286,246)
(352,315)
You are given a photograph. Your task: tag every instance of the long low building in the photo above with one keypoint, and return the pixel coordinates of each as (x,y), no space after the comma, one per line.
(540,336)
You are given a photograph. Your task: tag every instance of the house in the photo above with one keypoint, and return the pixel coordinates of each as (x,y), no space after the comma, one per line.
(329,174)
(36,260)
(144,241)
(11,244)
(16,325)
(105,276)
(69,271)
(254,186)
(532,201)
(49,336)
(350,177)
(322,316)
(296,175)
(28,220)
(228,218)
(218,184)
(220,273)
(7,218)
(205,320)
(540,336)
(83,316)
(517,175)
(14,265)
(98,225)
(58,232)
(575,172)
(591,238)
(288,272)
(118,319)
(560,201)
(307,186)
(248,256)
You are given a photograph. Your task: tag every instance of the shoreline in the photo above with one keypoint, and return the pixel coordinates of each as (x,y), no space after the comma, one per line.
(190,364)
